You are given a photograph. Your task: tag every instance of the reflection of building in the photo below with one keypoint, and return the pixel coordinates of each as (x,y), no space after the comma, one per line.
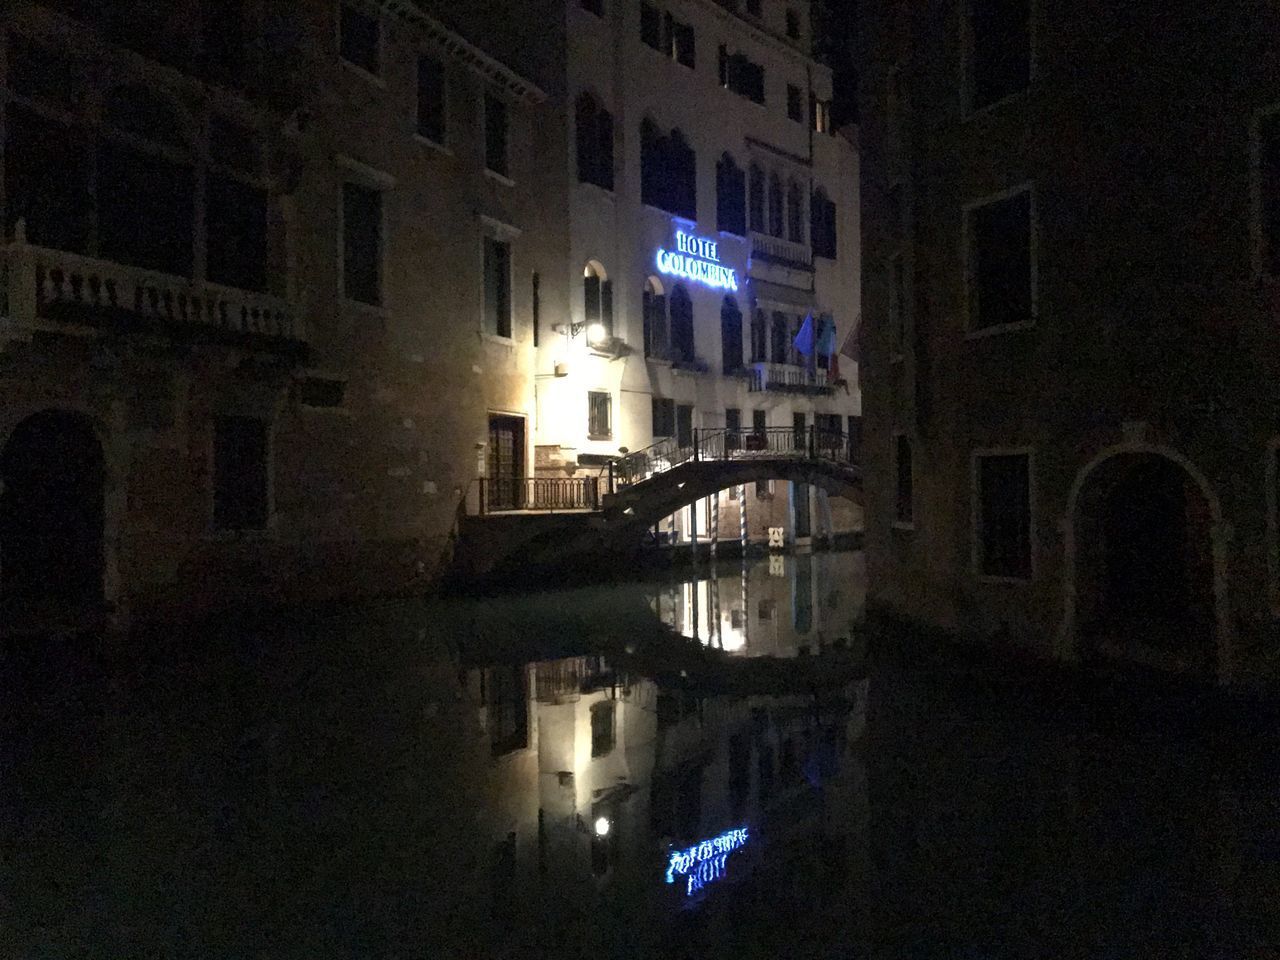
(1070,317)
(266,281)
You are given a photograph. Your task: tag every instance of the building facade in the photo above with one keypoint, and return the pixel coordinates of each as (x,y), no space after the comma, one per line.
(267,299)
(1070,239)
(711,209)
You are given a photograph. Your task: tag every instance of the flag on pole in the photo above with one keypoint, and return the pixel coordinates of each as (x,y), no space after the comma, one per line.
(805,337)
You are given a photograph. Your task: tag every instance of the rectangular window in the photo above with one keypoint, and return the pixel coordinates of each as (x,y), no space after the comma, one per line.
(664,417)
(897,304)
(594,6)
(360,39)
(497,287)
(599,415)
(823,232)
(733,429)
(903,511)
(239,473)
(1004,515)
(650,26)
(684,426)
(682,44)
(362,244)
(602,735)
(758,422)
(820,113)
(795,109)
(1000,50)
(431,99)
(236,233)
(495,134)
(741,75)
(1269,191)
(1000,285)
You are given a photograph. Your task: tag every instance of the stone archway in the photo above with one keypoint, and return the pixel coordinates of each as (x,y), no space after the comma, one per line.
(52,510)
(1145,566)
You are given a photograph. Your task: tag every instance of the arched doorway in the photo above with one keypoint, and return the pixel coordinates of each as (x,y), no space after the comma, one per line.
(1144,565)
(51,510)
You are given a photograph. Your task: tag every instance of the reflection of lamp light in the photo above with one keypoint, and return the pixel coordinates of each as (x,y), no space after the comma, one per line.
(602,826)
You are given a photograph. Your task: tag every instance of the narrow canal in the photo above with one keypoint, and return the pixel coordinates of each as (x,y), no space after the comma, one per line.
(707,767)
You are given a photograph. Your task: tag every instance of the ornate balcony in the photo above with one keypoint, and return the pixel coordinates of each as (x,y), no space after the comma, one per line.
(46,288)
(786,378)
(783,253)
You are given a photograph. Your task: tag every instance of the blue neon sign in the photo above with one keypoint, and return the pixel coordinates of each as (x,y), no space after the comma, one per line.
(704,863)
(697,260)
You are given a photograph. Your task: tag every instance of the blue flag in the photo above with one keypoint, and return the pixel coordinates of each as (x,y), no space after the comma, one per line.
(805,338)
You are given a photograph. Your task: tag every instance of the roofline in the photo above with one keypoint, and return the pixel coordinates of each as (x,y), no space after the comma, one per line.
(764,36)
(462,49)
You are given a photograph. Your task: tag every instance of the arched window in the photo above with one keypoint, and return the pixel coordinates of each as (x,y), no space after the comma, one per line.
(795,213)
(731,197)
(781,339)
(668,172)
(681,325)
(757,199)
(759,338)
(597,301)
(655,319)
(775,205)
(595,142)
(730,336)
(651,172)
(682,164)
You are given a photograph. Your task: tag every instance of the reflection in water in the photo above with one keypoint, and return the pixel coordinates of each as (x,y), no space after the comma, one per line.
(522,777)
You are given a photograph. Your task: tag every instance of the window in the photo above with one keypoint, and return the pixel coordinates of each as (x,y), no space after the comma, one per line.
(495,134)
(599,415)
(362,244)
(668,172)
(664,417)
(239,473)
(820,112)
(730,336)
(667,35)
(757,199)
(759,422)
(360,39)
(1004,515)
(684,426)
(602,735)
(999,50)
(1000,272)
(597,302)
(795,106)
(780,341)
(1269,192)
(431,99)
(775,205)
(497,287)
(795,213)
(741,75)
(593,6)
(793,25)
(822,225)
(898,305)
(595,142)
(505,693)
(759,338)
(753,7)
(682,347)
(733,436)
(236,232)
(731,197)
(655,319)
(904,497)
(536,308)
(650,26)
(683,47)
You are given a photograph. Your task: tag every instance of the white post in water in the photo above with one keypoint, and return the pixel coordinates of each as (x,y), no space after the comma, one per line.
(693,531)
(714,515)
(742,540)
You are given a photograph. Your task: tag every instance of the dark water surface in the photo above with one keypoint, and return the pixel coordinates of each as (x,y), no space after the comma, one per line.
(648,770)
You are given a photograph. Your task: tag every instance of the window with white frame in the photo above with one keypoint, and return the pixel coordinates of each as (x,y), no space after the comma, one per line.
(362,243)
(497,286)
(1001,272)
(1003,535)
(599,415)
(360,38)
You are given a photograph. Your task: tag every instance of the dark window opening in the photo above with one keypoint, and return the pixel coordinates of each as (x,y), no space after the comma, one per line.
(431,99)
(668,172)
(655,322)
(682,346)
(508,709)
(236,229)
(595,143)
(1000,60)
(146,210)
(775,205)
(731,197)
(664,417)
(741,75)
(793,25)
(904,499)
(320,392)
(759,338)
(650,26)
(597,298)
(495,134)
(733,435)
(730,336)
(1004,516)
(822,225)
(602,728)
(1001,263)
(360,39)
(795,105)
(757,199)
(239,473)
(47,169)
(684,426)
(362,244)
(780,342)
(795,213)
(599,416)
(497,287)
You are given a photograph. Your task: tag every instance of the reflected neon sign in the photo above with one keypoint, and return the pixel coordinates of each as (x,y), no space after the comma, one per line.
(697,260)
(704,863)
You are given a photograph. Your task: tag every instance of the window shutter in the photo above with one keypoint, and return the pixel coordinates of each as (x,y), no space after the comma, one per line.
(604,151)
(606,305)
(591,298)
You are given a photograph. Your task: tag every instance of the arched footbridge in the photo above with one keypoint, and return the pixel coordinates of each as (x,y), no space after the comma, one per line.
(513,526)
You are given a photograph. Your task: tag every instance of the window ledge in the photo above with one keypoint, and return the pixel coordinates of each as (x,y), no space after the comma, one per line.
(501,178)
(1011,581)
(369,309)
(497,338)
(364,74)
(997,330)
(904,526)
(594,188)
(973,113)
(435,145)
(599,437)
(241,536)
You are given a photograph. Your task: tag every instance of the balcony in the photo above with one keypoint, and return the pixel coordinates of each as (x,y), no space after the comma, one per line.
(46,289)
(786,378)
(782,253)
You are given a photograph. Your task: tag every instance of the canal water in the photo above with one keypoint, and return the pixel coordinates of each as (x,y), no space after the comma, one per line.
(706,766)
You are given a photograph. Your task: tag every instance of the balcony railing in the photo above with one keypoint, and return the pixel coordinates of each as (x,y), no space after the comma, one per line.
(52,286)
(539,494)
(798,256)
(785,378)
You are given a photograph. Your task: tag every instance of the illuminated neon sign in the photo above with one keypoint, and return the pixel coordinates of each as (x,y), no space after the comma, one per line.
(698,260)
(704,863)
